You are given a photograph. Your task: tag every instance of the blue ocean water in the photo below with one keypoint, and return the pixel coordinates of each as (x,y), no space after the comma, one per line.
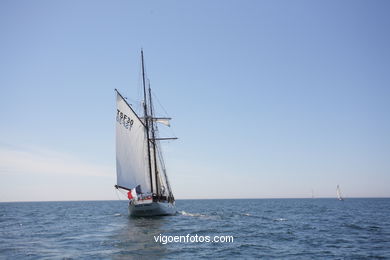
(261,228)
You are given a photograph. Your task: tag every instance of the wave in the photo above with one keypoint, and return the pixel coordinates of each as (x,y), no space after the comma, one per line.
(280,219)
(183,213)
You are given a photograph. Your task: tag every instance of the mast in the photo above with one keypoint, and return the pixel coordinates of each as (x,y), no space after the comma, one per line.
(153,140)
(146,121)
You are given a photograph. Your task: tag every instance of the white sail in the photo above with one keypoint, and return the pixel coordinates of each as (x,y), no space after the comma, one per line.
(164,121)
(131,148)
(339,193)
(160,177)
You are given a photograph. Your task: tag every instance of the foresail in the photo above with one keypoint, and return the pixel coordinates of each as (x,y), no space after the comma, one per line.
(162,179)
(165,189)
(131,149)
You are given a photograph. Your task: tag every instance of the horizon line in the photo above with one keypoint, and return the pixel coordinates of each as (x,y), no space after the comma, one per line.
(335,198)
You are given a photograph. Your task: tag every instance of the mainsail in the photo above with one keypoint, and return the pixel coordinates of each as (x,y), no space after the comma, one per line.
(132,165)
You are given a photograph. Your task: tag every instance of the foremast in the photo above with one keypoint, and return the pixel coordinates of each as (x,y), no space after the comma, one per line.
(146,122)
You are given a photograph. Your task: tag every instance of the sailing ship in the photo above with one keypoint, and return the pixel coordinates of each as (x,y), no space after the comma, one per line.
(140,166)
(339,197)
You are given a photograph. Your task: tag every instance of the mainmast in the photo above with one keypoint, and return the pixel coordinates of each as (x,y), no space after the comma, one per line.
(153,140)
(147,121)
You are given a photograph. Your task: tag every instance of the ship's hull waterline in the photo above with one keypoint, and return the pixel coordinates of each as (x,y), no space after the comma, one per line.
(152,209)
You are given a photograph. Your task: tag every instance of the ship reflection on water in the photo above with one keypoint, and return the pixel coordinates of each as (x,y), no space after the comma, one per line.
(134,239)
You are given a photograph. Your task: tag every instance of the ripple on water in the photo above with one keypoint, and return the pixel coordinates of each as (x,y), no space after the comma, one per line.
(296,229)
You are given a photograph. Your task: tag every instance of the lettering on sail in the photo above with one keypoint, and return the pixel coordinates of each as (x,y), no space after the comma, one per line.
(124,119)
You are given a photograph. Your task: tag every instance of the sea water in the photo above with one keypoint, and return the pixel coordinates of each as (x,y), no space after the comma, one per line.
(261,228)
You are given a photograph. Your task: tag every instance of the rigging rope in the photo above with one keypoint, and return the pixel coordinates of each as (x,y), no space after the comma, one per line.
(121,191)
(116,192)
(166,113)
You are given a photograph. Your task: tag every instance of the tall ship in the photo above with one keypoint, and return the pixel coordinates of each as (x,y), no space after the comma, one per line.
(140,166)
(338,192)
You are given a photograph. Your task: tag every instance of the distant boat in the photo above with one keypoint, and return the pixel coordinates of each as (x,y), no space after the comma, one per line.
(339,197)
(140,166)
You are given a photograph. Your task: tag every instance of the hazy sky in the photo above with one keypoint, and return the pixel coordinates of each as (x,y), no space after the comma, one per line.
(269,98)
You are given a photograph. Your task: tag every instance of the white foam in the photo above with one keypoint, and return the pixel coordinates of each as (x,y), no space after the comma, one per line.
(191,214)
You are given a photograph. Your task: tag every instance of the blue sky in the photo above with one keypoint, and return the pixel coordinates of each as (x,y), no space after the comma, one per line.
(269,98)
